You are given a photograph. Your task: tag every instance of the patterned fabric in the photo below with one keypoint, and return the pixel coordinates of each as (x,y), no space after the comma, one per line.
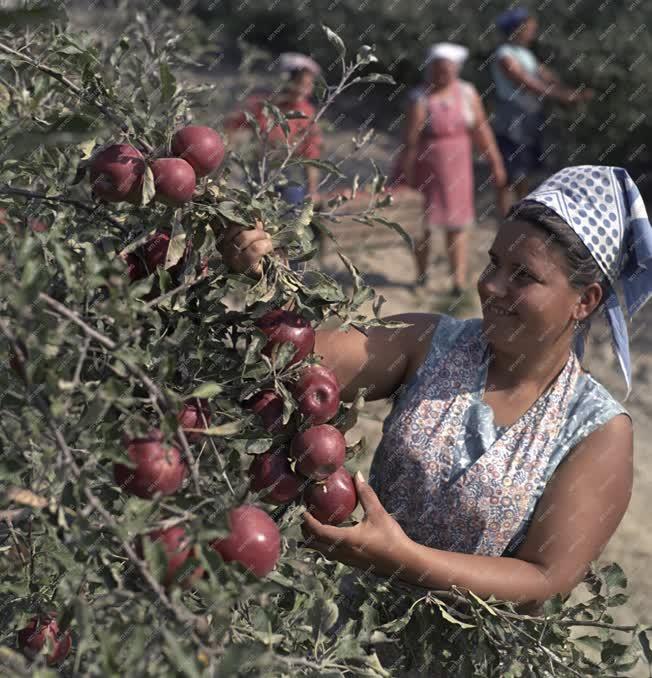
(604,207)
(414,470)
(409,449)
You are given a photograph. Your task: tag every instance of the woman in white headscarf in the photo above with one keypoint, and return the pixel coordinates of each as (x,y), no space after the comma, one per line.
(445,119)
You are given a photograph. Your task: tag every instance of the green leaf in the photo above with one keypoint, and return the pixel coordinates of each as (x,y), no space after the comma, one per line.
(179,656)
(645,645)
(207,390)
(614,576)
(618,599)
(278,117)
(382,78)
(320,286)
(592,642)
(229,210)
(156,558)
(515,669)
(322,615)
(323,165)
(241,659)
(397,228)
(176,249)
(611,651)
(335,40)
(481,602)
(448,617)
(168,82)
(229,429)
(149,187)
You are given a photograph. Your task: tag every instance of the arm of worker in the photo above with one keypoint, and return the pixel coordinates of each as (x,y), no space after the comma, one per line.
(515,72)
(379,361)
(416,117)
(575,518)
(485,141)
(548,75)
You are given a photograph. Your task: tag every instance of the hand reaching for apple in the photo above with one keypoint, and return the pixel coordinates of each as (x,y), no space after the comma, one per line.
(243,249)
(375,543)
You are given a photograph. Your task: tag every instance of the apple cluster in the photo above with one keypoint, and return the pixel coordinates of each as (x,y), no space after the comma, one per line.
(117,171)
(311,465)
(254,539)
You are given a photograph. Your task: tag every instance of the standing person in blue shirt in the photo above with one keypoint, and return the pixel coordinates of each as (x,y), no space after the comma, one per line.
(522,82)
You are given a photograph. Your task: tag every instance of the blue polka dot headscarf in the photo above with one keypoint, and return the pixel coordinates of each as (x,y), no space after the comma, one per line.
(604,207)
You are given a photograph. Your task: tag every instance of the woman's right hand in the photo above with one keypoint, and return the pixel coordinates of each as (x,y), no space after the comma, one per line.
(243,248)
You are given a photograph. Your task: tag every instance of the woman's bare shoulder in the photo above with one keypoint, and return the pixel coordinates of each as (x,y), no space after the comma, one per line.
(424,328)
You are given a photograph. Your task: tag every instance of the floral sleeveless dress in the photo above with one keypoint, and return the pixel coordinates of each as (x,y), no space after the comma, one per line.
(451,478)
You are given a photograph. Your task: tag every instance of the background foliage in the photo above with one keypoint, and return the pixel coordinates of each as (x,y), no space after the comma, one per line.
(603,44)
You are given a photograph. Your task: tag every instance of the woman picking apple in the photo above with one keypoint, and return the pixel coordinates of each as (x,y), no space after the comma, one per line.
(504,467)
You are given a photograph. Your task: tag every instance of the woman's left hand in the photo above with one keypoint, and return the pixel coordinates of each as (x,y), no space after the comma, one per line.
(375,543)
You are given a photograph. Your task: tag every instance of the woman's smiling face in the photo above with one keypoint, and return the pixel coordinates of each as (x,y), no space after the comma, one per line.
(525,292)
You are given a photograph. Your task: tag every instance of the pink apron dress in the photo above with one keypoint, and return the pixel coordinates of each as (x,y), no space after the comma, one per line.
(444,167)
(444,170)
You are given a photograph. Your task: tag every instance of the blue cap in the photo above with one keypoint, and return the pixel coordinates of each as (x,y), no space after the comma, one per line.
(510,20)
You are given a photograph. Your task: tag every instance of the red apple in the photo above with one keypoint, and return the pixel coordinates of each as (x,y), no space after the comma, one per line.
(155,250)
(35,635)
(254,540)
(201,147)
(281,326)
(117,172)
(38,226)
(268,405)
(317,394)
(157,468)
(18,358)
(178,549)
(194,414)
(135,268)
(174,179)
(271,471)
(332,500)
(318,451)
(147,258)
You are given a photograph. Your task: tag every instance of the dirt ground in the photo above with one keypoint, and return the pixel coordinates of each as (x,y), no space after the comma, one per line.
(388,266)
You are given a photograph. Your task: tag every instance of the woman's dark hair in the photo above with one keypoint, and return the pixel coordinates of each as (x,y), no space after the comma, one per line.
(296,74)
(581,267)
